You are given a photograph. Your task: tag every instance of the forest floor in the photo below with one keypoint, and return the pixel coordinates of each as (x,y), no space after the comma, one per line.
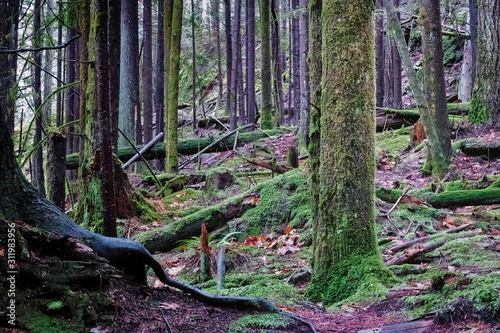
(163,310)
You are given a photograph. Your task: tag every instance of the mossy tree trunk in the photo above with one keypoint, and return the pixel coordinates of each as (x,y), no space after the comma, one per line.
(345,251)
(438,158)
(305,109)
(315,70)
(266,121)
(56,168)
(485,104)
(434,85)
(173,88)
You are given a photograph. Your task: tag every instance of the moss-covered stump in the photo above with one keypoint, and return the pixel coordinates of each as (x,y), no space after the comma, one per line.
(218,179)
(61,285)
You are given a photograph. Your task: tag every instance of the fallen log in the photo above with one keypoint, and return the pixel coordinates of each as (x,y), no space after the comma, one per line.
(431,245)
(481,146)
(185,147)
(460,198)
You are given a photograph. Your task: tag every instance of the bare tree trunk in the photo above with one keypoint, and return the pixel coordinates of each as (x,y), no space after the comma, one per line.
(379,52)
(114,24)
(159,85)
(59,105)
(473,36)
(104,117)
(396,63)
(147,69)
(234,68)
(39,179)
(194,64)
(250,61)
(229,54)
(242,118)
(296,64)
(278,58)
(129,71)
(304,75)
(266,121)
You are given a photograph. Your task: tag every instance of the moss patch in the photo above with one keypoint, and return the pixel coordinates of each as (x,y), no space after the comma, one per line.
(265,322)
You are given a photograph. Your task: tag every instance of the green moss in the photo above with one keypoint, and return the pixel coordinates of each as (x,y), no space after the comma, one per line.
(477,112)
(266,322)
(146,211)
(268,286)
(472,251)
(452,47)
(360,278)
(56,305)
(283,200)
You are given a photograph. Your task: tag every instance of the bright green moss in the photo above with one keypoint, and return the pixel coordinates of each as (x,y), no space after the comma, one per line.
(266,322)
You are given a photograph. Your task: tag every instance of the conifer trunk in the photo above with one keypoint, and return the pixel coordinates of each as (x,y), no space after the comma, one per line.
(147,70)
(266,121)
(250,61)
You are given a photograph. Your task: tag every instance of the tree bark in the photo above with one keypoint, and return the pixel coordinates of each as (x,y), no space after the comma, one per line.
(266,121)
(129,70)
(304,76)
(194,64)
(38,174)
(250,61)
(344,238)
(114,67)
(485,104)
(379,52)
(147,70)
(229,54)
(296,63)
(159,85)
(278,57)
(233,115)
(56,169)
(434,85)
(173,88)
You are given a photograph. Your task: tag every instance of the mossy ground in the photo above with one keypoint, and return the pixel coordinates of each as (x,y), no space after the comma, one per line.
(264,322)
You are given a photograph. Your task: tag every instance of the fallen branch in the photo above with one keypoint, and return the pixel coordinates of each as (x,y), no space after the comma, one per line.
(275,167)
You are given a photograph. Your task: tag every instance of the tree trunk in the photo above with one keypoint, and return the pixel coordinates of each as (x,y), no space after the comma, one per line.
(233,115)
(278,57)
(396,67)
(56,169)
(266,121)
(114,67)
(193,39)
(70,98)
(296,64)
(129,70)
(434,84)
(105,142)
(344,242)
(173,88)
(216,27)
(38,174)
(485,104)
(229,54)
(167,37)
(250,61)
(315,73)
(242,117)
(59,105)
(159,86)
(473,36)
(304,75)
(379,52)
(147,70)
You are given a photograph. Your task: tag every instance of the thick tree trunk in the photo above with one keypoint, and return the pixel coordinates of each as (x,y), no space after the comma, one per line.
(344,237)
(114,67)
(105,142)
(193,39)
(296,64)
(56,167)
(186,147)
(173,88)
(242,116)
(167,37)
(266,120)
(485,104)
(59,105)
(147,70)
(473,36)
(304,76)
(379,52)
(229,54)
(129,71)
(278,57)
(434,84)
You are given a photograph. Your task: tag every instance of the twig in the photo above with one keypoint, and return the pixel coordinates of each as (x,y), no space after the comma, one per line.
(217,120)
(41,48)
(165,319)
(399,199)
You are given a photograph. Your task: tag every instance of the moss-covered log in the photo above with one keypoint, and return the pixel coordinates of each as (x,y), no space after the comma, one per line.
(480,146)
(215,217)
(488,196)
(185,147)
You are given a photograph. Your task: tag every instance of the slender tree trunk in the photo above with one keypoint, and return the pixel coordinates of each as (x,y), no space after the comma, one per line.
(379,52)
(345,241)
(434,84)
(278,57)
(234,67)
(229,54)
(315,73)
(304,75)
(266,121)
(396,63)
(147,70)
(250,61)
(485,104)
(159,95)
(114,24)
(242,118)
(193,39)
(216,8)
(296,64)
(84,23)
(47,66)
(466,79)
(473,36)
(173,88)
(71,113)
(39,178)
(59,105)
(129,71)
(167,37)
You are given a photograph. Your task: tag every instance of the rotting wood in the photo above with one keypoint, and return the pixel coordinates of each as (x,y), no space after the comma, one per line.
(481,146)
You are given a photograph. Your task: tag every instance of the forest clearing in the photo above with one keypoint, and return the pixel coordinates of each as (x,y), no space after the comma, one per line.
(269,166)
